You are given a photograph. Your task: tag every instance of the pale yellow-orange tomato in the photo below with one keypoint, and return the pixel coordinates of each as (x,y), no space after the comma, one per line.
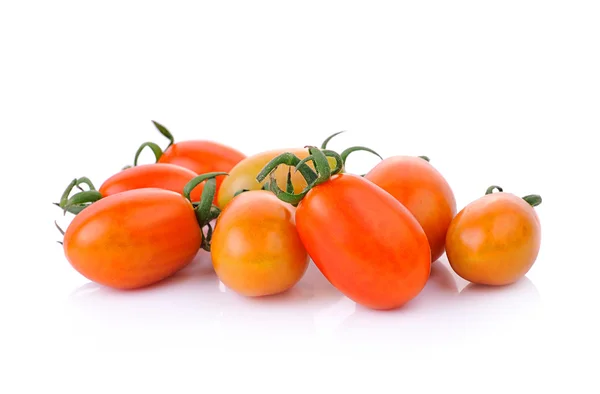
(494,240)
(243,175)
(255,248)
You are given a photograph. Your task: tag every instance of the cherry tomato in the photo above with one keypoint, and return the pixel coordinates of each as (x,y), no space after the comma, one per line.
(256,250)
(365,242)
(139,237)
(200,156)
(423,190)
(495,240)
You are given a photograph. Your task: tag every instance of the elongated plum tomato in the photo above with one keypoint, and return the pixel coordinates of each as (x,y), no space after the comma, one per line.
(256,250)
(200,156)
(365,242)
(160,176)
(133,239)
(243,175)
(495,240)
(139,237)
(423,190)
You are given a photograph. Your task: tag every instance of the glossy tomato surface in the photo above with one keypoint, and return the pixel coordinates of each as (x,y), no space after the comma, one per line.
(202,157)
(494,240)
(423,190)
(256,250)
(157,175)
(134,238)
(367,244)
(243,175)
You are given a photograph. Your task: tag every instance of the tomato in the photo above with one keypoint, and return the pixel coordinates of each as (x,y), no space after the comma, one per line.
(134,238)
(243,175)
(200,156)
(495,240)
(423,190)
(160,176)
(255,249)
(365,242)
(139,237)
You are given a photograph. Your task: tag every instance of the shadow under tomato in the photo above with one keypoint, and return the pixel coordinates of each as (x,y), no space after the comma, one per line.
(441,315)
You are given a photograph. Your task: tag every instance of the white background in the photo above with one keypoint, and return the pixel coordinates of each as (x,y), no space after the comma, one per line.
(501,93)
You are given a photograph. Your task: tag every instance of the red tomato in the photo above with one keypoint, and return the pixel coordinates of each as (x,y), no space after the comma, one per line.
(423,190)
(200,156)
(256,250)
(134,238)
(365,242)
(495,240)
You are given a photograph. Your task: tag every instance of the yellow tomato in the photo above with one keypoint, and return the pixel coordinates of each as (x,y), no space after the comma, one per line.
(243,175)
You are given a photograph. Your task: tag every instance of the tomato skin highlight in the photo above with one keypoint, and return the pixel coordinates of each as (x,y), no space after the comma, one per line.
(256,250)
(494,240)
(243,175)
(134,238)
(422,189)
(157,175)
(202,156)
(367,244)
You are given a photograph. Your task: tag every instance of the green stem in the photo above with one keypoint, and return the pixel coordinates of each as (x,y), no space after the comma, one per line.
(324,172)
(324,144)
(163,130)
(491,189)
(155,149)
(82,200)
(348,151)
(288,159)
(204,209)
(424,158)
(533,199)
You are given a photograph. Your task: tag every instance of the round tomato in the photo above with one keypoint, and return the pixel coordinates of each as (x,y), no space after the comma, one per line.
(160,176)
(243,175)
(138,237)
(256,250)
(200,156)
(423,190)
(365,242)
(495,239)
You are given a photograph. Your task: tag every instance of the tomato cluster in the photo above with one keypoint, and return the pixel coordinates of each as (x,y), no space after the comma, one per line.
(263,218)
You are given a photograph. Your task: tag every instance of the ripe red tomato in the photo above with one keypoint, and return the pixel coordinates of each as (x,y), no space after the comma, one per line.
(423,190)
(134,238)
(139,237)
(365,242)
(256,250)
(495,240)
(200,156)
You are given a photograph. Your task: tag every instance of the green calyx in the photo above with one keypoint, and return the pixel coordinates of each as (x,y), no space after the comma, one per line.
(158,152)
(321,163)
(344,155)
(204,209)
(532,199)
(81,200)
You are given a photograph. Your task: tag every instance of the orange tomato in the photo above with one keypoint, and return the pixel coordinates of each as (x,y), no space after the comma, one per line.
(495,239)
(161,176)
(423,190)
(243,175)
(256,250)
(134,238)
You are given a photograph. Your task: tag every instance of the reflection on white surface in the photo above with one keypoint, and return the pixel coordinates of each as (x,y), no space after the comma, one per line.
(196,306)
